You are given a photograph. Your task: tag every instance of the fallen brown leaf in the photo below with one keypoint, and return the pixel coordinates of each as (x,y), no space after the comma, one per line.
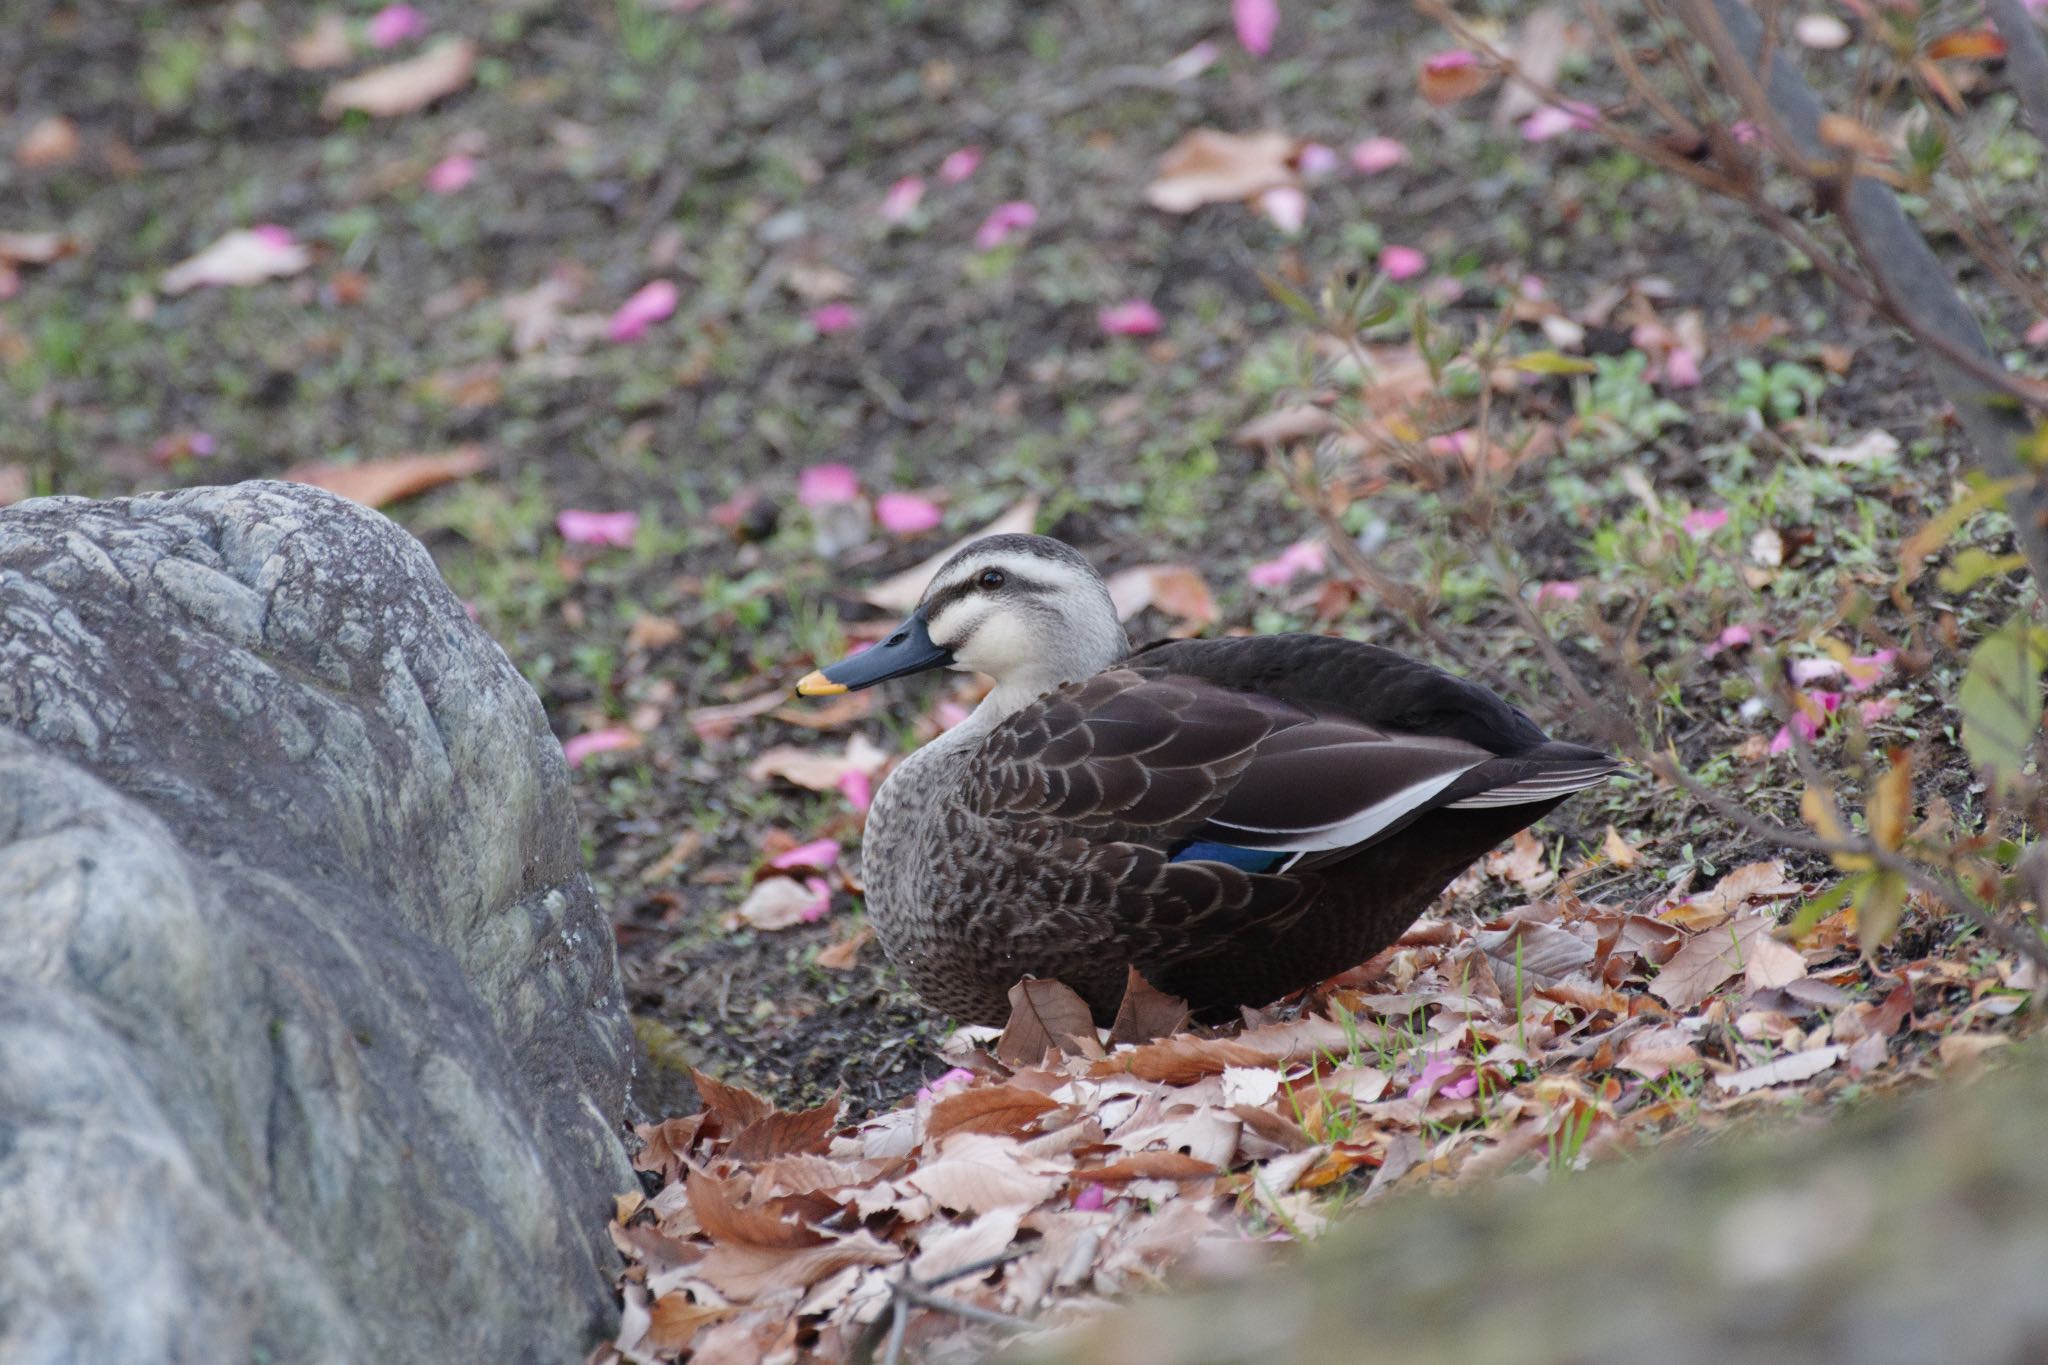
(1046,1016)
(51,141)
(975,1172)
(403,87)
(1698,969)
(1177,590)
(842,956)
(1000,1109)
(731,1107)
(817,769)
(379,483)
(1146,1012)
(1793,1066)
(804,1132)
(1212,167)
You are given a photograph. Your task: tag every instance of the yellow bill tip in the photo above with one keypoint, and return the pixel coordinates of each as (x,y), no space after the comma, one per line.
(816,684)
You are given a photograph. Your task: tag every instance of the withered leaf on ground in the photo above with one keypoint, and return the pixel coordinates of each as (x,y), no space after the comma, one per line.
(986,1109)
(1793,1066)
(1146,1012)
(1707,960)
(1211,167)
(378,483)
(729,1106)
(786,1134)
(1046,1016)
(1177,590)
(406,86)
(975,1172)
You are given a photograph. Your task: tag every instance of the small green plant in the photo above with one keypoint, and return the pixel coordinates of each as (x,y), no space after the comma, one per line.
(1777,393)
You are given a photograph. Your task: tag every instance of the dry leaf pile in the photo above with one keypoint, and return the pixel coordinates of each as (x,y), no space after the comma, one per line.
(1057,1166)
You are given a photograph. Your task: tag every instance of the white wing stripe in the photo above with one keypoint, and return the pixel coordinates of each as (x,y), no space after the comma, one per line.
(1533,789)
(1357,828)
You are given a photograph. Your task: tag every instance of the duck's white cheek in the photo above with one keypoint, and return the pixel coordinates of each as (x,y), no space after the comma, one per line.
(998,645)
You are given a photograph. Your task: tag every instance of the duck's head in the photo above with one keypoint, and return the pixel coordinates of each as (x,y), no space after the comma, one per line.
(1028,611)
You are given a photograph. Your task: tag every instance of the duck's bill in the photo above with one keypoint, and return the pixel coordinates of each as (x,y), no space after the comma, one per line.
(909,649)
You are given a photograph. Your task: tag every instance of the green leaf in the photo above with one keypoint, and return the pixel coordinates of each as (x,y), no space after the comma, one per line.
(2000,699)
(1972,566)
(1290,298)
(1823,905)
(1879,908)
(1928,540)
(1551,362)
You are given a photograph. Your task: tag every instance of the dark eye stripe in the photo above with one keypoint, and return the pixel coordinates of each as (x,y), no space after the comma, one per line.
(1014,583)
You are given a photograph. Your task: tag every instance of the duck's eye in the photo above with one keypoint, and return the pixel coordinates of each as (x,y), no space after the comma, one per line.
(990,579)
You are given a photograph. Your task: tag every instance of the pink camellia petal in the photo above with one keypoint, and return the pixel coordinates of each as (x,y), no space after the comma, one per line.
(1813,670)
(1554,120)
(1701,523)
(1457,444)
(1743,131)
(1377,154)
(821,900)
(902,199)
(597,528)
(2037,335)
(959,165)
(1681,368)
(1877,710)
(451,173)
(650,304)
(858,788)
(1457,59)
(1464,1088)
(1304,556)
(393,25)
(1315,160)
(1257,21)
(1003,222)
(1532,288)
(1557,593)
(1402,262)
(830,318)
(1781,741)
(1735,637)
(1436,1069)
(1092,1197)
(823,484)
(1191,63)
(273,236)
(1132,318)
(954,1076)
(1286,206)
(906,514)
(819,855)
(1866,671)
(579,747)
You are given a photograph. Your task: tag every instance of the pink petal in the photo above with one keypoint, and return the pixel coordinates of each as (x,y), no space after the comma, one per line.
(597,528)
(1257,22)
(902,199)
(1557,592)
(451,173)
(2037,335)
(1556,120)
(1191,63)
(1132,318)
(1813,670)
(650,304)
(1402,262)
(822,484)
(1454,60)
(906,514)
(1464,1088)
(1003,221)
(959,165)
(1091,1197)
(958,1075)
(1315,160)
(858,788)
(394,24)
(1868,670)
(1743,131)
(1877,710)
(949,713)
(1700,524)
(580,747)
(819,854)
(1532,288)
(1457,443)
(1436,1067)
(821,900)
(1681,368)
(271,235)
(1305,556)
(1377,154)
(1286,206)
(834,317)
(1735,637)
(1781,741)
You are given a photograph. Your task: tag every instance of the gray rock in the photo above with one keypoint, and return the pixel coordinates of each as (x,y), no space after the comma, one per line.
(311,1040)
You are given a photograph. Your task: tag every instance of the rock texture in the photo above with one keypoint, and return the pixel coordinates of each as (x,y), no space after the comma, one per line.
(311,1040)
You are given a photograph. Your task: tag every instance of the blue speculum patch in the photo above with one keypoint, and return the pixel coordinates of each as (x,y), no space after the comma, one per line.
(1243,859)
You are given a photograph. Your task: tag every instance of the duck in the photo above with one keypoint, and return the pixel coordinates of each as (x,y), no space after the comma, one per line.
(1237,819)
